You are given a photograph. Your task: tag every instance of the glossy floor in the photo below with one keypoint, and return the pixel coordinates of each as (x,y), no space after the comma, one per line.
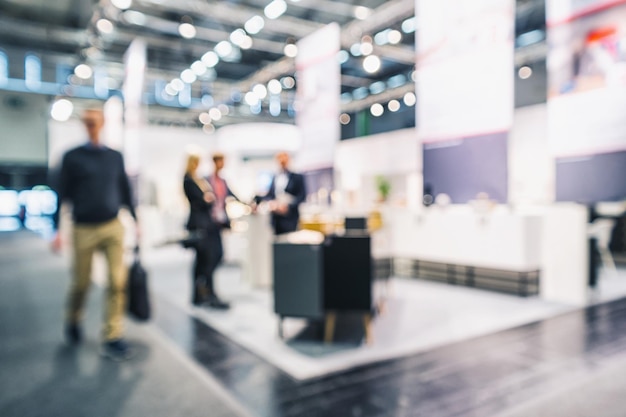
(573,364)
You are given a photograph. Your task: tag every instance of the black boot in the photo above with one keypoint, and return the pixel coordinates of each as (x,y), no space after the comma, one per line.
(215,302)
(200,293)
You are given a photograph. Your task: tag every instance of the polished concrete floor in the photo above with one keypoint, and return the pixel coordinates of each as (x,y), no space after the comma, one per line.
(572,364)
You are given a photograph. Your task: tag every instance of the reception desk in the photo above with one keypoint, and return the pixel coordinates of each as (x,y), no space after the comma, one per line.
(496,248)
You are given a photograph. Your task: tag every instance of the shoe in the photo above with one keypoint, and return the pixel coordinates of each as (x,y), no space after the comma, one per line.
(117,350)
(73,333)
(215,302)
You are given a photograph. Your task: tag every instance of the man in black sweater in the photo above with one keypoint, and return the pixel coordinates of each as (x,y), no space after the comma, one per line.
(93,179)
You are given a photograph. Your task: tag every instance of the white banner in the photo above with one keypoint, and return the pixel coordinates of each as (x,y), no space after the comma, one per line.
(317,98)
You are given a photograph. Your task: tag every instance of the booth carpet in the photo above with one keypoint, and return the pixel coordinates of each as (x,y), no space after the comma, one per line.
(415,316)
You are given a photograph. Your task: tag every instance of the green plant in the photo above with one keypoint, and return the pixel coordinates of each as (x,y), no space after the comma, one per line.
(384,187)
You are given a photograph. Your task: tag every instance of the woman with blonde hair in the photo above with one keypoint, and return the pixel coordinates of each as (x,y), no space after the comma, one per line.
(201,225)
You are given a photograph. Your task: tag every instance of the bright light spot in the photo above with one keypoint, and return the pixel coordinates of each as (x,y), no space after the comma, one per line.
(246,43)
(414,76)
(260,91)
(207,100)
(408,26)
(346,98)
(251,99)
(396,81)
(291,50)
(275,107)
(275,9)
(409,99)
(288,82)
(177,84)
(343,56)
(378,87)
(224,109)
(62,110)
(224,48)
(122,4)
(210,59)
(393,105)
(187,30)
(198,68)
(83,71)
(367,48)
(104,26)
(355,49)
(134,17)
(169,89)
(360,93)
(525,72)
(204,118)
(394,36)
(344,119)
(188,76)
(362,13)
(208,129)
(238,36)
(215,113)
(377,109)
(371,64)
(382,38)
(274,87)
(254,25)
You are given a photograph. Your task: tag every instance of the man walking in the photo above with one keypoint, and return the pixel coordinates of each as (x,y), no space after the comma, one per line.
(93,179)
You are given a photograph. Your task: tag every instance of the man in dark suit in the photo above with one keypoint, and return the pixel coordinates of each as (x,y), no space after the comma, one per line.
(287,191)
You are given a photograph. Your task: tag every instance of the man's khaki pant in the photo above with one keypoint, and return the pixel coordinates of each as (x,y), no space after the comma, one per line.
(109,238)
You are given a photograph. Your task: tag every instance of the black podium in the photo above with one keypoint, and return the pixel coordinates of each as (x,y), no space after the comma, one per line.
(319,281)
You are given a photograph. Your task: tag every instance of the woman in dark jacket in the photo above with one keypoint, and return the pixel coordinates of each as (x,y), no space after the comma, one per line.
(205,231)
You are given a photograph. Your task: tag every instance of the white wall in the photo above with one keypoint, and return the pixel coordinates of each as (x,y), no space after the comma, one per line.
(396,155)
(531,167)
(23,131)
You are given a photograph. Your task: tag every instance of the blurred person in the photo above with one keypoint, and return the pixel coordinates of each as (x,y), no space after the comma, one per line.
(287,191)
(94,180)
(207,243)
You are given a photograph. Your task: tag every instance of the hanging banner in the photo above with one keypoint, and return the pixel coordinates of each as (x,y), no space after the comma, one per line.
(464,81)
(318,74)
(587,98)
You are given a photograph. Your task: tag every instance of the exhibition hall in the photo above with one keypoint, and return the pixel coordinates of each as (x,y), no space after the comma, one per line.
(298,208)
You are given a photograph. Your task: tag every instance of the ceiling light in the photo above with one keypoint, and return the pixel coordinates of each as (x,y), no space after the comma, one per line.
(208,129)
(207,100)
(215,113)
(187,30)
(393,105)
(134,17)
(378,87)
(414,76)
(409,99)
(371,64)
(177,84)
(246,43)
(355,49)
(362,12)
(346,98)
(122,4)
(343,56)
(367,48)
(408,26)
(377,109)
(275,9)
(198,68)
(394,36)
(224,48)
(83,71)
(224,109)
(210,59)
(62,110)
(254,25)
(238,36)
(188,76)
(104,26)
(360,93)
(260,91)
(274,87)
(381,38)
(251,99)
(204,118)
(169,89)
(344,119)
(525,72)
(288,82)
(291,50)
